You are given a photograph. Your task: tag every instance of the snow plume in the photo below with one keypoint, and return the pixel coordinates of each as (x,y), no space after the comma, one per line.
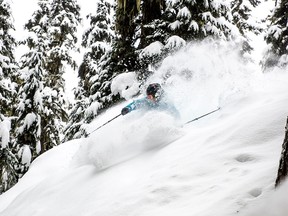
(208,73)
(142,132)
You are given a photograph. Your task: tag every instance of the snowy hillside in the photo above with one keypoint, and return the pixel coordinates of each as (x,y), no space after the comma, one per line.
(147,164)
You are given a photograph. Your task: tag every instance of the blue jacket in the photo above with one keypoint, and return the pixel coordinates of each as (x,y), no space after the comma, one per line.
(162,105)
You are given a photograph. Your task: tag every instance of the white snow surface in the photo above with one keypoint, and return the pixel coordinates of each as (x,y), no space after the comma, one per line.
(145,164)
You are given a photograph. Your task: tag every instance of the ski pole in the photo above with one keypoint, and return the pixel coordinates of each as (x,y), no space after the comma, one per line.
(195,119)
(104,124)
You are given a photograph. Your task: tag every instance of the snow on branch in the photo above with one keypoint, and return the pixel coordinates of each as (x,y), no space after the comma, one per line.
(175,42)
(154,48)
(184,13)
(5,127)
(276,31)
(175,25)
(126,85)
(92,110)
(194,25)
(28,121)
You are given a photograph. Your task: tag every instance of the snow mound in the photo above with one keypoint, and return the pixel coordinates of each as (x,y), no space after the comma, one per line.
(142,132)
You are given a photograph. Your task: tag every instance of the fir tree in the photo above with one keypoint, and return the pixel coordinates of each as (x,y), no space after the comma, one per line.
(64,17)
(194,19)
(31,106)
(93,93)
(8,88)
(241,11)
(124,55)
(152,22)
(8,64)
(30,109)
(277,37)
(154,32)
(183,21)
(76,122)
(42,103)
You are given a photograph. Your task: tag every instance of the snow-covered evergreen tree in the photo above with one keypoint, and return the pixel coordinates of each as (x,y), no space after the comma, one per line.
(8,87)
(194,19)
(153,32)
(153,22)
(75,127)
(277,37)
(186,20)
(42,107)
(30,110)
(64,18)
(93,93)
(242,12)
(31,106)
(7,60)
(124,53)
(8,158)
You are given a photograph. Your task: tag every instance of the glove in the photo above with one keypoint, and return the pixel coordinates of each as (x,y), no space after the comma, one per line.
(125,110)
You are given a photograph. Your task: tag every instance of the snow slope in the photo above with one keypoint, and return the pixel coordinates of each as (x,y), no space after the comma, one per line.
(147,164)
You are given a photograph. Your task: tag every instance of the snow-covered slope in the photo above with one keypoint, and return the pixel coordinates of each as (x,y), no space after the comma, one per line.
(147,164)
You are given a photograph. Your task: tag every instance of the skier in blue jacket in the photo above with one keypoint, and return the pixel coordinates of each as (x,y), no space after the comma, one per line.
(155,99)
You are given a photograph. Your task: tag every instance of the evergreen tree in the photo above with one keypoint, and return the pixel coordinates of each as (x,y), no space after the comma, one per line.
(195,19)
(154,19)
(42,107)
(8,88)
(124,55)
(277,37)
(183,21)
(93,93)
(241,11)
(64,17)
(8,64)
(30,109)
(76,122)
(153,27)
(31,106)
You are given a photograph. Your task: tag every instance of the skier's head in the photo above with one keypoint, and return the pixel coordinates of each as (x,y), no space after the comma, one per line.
(154,92)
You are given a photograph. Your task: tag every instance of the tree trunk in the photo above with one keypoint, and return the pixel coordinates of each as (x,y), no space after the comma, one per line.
(125,14)
(283,166)
(151,10)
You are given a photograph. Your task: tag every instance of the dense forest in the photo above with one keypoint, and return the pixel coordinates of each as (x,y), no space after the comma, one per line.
(35,115)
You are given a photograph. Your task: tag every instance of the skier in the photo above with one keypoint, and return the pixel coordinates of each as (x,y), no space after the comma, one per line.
(155,99)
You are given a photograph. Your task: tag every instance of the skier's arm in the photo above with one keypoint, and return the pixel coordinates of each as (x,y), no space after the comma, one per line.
(132,106)
(128,108)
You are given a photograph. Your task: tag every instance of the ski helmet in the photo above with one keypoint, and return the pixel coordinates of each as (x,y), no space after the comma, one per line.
(155,90)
